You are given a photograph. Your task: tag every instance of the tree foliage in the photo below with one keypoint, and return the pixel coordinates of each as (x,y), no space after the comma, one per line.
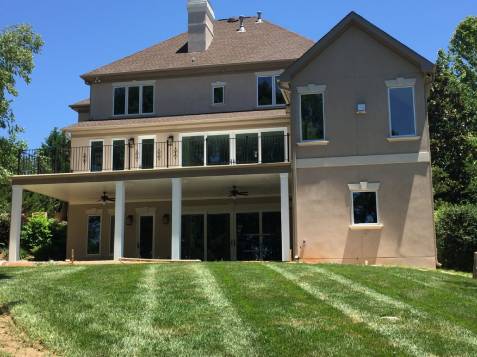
(18,44)
(453,118)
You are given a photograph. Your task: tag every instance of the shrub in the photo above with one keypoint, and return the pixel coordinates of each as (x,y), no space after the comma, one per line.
(4,229)
(55,248)
(36,232)
(456,231)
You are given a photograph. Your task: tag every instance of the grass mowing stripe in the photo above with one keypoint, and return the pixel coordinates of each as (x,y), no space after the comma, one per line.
(141,327)
(236,337)
(392,332)
(447,329)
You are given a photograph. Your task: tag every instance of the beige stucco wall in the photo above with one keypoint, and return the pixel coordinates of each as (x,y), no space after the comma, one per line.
(186,95)
(78,215)
(354,69)
(405,210)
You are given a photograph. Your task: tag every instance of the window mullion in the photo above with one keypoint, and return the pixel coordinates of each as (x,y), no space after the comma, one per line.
(140,99)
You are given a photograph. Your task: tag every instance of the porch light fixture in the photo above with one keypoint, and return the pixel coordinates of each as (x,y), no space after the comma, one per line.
(166,219)
(129,220)
(170,140)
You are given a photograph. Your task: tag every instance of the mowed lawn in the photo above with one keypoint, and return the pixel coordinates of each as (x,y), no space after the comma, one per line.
(242,309)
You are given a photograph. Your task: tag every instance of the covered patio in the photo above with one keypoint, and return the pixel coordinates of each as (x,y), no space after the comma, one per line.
(227,214)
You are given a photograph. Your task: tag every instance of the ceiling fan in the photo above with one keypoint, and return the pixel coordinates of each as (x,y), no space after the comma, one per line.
(105,198)
(234,192)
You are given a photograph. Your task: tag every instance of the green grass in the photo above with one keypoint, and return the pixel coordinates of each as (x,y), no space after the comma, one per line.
(243,309)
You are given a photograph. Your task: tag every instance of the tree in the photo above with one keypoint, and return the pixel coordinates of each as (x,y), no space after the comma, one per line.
(453,118)
(18,45)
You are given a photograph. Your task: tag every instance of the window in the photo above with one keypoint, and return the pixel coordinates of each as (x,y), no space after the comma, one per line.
(268,91)
(119,152)
(402,119)
(312,116)
(218,93)
(273,146)
(133,99)
(119,101)
(96,156)
(193,151)
(94,235)
(146,151)
(246,148)
(111,235)
(364,203)
(218,149)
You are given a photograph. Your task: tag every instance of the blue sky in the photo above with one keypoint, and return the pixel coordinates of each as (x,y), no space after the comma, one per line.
(82,35)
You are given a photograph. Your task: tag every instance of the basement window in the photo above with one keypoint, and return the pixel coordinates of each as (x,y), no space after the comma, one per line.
(364,204)
(133,99)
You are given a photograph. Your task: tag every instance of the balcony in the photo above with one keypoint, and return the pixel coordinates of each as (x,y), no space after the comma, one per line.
(191,151)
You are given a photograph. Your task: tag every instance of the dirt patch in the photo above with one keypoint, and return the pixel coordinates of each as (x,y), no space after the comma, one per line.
(13,342)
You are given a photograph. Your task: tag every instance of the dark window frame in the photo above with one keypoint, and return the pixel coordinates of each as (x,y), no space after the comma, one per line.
(275,91)
(126,99)
(390,111)
(376,208)
(88,231)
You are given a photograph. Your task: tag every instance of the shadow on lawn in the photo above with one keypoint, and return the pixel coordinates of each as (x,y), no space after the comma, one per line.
(5,276)
(5,309)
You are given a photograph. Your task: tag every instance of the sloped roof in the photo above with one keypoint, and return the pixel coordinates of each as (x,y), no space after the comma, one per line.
(353,19)
(196,118)
(262,42)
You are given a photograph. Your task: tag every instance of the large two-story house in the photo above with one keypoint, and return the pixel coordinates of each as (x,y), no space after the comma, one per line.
(240,140)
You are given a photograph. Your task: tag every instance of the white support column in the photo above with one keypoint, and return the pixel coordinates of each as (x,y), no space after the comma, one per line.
(285,218)
(176,218)
(15,224)
(119,218)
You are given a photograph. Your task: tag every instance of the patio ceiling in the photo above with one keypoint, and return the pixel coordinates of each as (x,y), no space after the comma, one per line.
(193,188)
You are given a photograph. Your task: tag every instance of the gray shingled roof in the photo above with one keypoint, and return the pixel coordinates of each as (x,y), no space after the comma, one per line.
(264,42)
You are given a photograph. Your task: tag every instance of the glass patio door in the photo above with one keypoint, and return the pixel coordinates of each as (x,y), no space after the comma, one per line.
(258,236)
(192,241)
(218,237)
(147,153)
(248,230)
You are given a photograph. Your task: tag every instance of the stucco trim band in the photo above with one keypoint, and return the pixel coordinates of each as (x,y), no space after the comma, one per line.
(422,156)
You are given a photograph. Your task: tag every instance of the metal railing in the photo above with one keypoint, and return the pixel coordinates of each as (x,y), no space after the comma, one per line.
(191,151)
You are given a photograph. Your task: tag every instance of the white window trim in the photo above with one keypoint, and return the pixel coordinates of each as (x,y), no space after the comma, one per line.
(139,149)
(91,151)
(231,134)
(402,83)
(308,90)
(365,187)
(214,86)
(112,152)
(274,75)
(139,84)
(100,234)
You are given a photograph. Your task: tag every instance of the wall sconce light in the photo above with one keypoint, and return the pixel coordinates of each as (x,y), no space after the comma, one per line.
(361,108)
(129,220)
(166,219)
(170,140)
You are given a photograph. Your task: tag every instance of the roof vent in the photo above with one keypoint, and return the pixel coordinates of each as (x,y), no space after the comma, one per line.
(242,27)
(259,17)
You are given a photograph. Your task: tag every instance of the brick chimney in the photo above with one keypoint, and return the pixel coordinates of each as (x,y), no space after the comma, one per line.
(201,25)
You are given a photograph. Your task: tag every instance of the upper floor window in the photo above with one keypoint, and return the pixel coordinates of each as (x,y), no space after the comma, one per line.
(268,91)
(218,93)
(312,112)
(133,99)
(401,107)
